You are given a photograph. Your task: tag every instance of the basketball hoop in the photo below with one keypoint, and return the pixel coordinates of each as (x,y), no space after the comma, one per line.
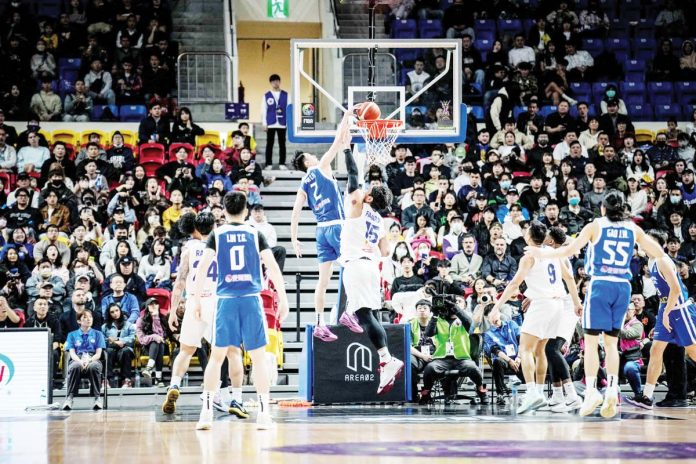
(379,135)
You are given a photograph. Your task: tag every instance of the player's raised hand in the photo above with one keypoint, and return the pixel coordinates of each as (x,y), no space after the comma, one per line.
(297,246)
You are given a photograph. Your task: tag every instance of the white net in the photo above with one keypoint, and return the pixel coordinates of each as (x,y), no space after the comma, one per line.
(379,135)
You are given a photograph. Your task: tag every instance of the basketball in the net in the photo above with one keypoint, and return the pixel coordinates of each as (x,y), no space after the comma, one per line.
(368,110)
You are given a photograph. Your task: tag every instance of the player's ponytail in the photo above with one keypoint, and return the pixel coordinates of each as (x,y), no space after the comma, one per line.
(615,206)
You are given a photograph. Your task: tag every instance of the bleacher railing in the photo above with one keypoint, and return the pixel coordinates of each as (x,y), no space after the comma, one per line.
(204,77)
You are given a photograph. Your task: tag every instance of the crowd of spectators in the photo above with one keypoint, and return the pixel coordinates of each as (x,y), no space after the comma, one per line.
(92,53)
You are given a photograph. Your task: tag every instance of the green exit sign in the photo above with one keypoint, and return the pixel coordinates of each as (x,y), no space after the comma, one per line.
(278,9)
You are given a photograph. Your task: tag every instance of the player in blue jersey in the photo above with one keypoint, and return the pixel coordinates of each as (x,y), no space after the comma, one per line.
(610,241)
(675,323)
(240,251)
(319,189)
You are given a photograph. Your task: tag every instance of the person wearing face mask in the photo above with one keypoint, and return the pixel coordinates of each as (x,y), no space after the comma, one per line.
(32,127)
(688,190)
(674,203)
(45,276)
(575,216)
(661,155)
(610,94)
(452,240)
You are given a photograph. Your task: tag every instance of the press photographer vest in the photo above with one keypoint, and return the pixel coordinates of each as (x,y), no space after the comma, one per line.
(457,334)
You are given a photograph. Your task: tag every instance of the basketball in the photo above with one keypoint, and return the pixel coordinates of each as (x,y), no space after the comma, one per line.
(368,110)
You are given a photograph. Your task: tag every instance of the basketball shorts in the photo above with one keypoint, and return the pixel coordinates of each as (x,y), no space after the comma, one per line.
(567,321)
(240,320)
(541,318)
(193,330)
(605,305)
(328,243)
(683,322)
(361,280)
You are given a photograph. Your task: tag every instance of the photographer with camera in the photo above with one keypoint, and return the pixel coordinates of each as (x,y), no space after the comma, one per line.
(14,290)
(422,347)
(125,201)
(78,105)
(449,330)
(501,345)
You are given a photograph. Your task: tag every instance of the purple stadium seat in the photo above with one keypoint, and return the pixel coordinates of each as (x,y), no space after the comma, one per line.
(664,112)
(485,35)
(580,88)
(404,29)
(645,28)
(528,24)
(616,44)
(644,56)
(621,57)
(593,46)
(641,112)
(645,43)
(660,99)
(478,113)
(404,78)
(634,99)
(510,26)
(632,88)
(545,111)
(598,89)
(483,44)
(444,4)
(98,110)
(132,113)
(430,28)
(685,91)
(660,88)
(517,110)
(406,54)
(630,10)
(485,25)
(635,76)
(618,28)
(529,4)
(69,63)
(634,66)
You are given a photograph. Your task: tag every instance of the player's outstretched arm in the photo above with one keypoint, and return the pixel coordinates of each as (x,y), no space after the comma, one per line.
(199,281)
(179,287)
(586,235)
(649,244)
(300,200)
(341,142)
(276,277)
(525,265)
(355,193)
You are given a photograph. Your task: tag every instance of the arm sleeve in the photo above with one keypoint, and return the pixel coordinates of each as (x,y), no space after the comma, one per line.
(263,243)
(352,171)
(432,328)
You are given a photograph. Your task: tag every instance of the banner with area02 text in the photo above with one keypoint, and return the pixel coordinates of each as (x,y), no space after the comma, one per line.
(25,368)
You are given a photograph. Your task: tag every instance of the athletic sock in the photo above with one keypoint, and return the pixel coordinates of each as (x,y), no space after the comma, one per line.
(175,382)
(208,401)
(236,394)
(150,363)
(557,394)
(225,397)
(384,355)
(321,320)
(591,383)
(532,389)
(158,375)
(649,390)
(570,392)
(540,390)
(612,381)
(263,404)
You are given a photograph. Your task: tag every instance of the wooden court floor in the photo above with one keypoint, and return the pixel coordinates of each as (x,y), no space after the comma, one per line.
(338,435)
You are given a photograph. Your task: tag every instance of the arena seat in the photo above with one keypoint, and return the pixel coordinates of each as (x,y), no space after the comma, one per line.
(616,44)
(404,29)
(430,28)
(645,43)
(66,136)
(406,55)
(482,44)
(404,76)
(485,25)
(546,110)
(98,111)
(517,110)
(152,153)
(69,64)
(660,88)
(132,113)
(593,46)
(618,28)
(84,137)
(644,136)
(478,113)
(685,91)
(45,133)
(163,297)
(510,26)
(209,137)
(641,111)
(666,111)
(645,29)
(7,179)
(630,10)
(191,151)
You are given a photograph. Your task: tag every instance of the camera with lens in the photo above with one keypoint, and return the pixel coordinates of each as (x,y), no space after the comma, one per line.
(485,299)
(444,305)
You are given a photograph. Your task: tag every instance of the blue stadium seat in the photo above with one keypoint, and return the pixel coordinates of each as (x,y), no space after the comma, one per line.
(404,29)
(478,113)
(484,55)
(664,112)
(68,74)
(430,28)
(529,4)
(618,44)
(98,110)
(580,87)
(645,28)
(477,87)
(618,28)
(444,4)
(593,46)
(598,89)
(634,99)
(510,27)
(621,57)
(660,88)
(661,99)
(630,10)
(641,112)
(545,111)
(517,110)
(132,113)
(406,54)
(485,25)
(632,88)
(404,77)
(48,8)
(609,6)
(634,66)
(685,90)
(676,44)
(69,63)
(486,35)
(483,45)
(528,25)
(634,76)
(645,43)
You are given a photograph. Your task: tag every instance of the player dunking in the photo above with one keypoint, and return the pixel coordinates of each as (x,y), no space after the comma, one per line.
(240,251)
(319,189)
(675,323)
(544,279)
(193,330)
(363,242)
(611,240)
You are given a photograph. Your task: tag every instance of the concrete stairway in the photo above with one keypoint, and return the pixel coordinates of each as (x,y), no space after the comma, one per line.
(199,27)
(353,20)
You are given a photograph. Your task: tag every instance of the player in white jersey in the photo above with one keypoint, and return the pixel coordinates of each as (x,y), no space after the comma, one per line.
(544,279)
(565,328)
(363,243)
(192,330)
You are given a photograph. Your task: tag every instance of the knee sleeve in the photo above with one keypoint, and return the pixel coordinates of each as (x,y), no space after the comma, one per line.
(557,363)
(377,334)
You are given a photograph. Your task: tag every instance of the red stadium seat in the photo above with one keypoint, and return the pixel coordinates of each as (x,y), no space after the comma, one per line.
(163,297)
(8,181)
(152,153)
(190,151)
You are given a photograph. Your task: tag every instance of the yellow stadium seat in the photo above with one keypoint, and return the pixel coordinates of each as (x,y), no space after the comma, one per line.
(645,136)
(228,141)
(210,136)
(66,136)
(275,346)
(129,137)
(46,134)
(105,137)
